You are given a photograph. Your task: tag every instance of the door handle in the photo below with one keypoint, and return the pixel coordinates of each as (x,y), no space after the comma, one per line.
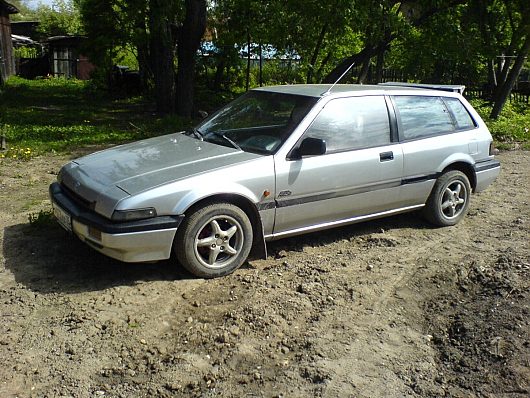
(386,156)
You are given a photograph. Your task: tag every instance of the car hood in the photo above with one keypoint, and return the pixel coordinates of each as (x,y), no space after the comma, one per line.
(149,163)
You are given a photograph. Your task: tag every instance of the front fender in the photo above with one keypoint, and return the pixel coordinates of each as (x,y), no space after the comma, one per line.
(241,195)
(206,192)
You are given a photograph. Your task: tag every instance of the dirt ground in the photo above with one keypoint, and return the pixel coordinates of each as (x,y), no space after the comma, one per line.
(389,308)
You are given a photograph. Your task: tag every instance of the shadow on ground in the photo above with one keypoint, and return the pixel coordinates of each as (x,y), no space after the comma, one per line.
(325,237)
(46,259)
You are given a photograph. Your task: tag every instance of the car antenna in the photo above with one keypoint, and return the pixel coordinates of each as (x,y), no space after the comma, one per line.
(339,79)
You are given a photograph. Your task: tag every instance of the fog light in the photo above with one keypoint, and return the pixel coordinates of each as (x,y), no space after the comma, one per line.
(94,233)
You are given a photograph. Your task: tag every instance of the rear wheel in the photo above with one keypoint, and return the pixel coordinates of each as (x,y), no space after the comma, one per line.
(214,240)
(449,199)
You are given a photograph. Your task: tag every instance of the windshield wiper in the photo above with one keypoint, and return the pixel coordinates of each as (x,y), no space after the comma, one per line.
(196,132)
(232,142)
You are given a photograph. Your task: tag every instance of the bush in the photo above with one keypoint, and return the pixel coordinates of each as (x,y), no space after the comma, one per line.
(512,128)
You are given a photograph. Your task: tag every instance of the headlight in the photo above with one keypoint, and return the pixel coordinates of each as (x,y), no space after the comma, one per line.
(131,215)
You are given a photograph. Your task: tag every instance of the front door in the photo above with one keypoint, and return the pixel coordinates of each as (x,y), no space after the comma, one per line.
(359,174)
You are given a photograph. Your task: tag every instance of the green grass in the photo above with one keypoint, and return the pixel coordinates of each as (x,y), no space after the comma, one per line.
(48,115)
(59,115)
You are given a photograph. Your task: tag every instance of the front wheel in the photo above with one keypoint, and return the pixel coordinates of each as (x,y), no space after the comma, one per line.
(214,240)
(449,199)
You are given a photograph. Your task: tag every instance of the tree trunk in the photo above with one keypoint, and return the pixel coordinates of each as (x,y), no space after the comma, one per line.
(142,51)
(363,74)
(316,52)
(379,66)
(247,85)
(507,62)
(260,65)
(218,79)
(504,70)
(322,66)
(505,89)
(144,69)
(492,77)
(162,56)
(190,35)
(360,58)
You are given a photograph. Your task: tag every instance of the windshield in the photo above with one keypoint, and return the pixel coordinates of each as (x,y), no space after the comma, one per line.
(259,121)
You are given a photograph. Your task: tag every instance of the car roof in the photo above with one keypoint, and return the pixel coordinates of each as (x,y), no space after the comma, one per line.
(321,90)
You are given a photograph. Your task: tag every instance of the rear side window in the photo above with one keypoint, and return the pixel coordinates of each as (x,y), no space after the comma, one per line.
(352,123)
(423,116)
(463,119)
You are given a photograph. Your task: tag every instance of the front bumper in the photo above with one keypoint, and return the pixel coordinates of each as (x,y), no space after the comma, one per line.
(134,241)
(486,172)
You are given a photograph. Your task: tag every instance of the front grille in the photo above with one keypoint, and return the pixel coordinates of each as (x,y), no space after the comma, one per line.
(80,201)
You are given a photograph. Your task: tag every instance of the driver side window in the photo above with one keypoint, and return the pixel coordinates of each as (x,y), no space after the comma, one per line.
(352,123)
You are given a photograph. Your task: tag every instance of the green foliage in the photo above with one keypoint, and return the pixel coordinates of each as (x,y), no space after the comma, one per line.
(26,52)
(512,128)
(431,56)
(25,13)
(16,153)
(63,114)
(62,18)
(43,218)
(59,115)
(126,56)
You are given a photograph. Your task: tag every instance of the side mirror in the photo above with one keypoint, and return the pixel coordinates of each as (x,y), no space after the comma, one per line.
(312,147)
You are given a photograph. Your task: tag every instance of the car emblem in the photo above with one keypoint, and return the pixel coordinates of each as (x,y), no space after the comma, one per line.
(77,185)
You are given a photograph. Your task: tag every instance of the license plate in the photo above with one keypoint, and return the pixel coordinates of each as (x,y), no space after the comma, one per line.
(63,218)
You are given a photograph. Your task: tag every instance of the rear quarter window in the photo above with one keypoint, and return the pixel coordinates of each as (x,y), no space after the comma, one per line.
(463,119)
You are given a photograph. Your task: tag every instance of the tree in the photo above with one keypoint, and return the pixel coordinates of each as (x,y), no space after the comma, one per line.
(384,22)
(61,18)
(158,30)
(517,13)
(162,54)
(189,38)
(25,12)
(317,32)
(107,27)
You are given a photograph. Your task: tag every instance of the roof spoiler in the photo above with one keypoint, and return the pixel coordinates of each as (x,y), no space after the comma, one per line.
(453,88)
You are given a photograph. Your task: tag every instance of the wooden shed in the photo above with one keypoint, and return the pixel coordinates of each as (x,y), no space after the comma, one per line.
(66,58)
(7,60)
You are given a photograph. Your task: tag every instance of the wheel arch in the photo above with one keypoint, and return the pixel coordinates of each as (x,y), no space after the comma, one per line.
(259,248)
(465,168)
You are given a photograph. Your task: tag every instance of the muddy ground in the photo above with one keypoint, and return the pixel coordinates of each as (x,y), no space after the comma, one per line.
(389,308)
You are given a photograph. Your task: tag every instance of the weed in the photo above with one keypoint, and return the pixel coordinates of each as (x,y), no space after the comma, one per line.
(17,153)
(41,219)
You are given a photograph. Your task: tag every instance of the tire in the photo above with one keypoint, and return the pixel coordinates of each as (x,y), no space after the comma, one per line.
(214,241)
(449,199)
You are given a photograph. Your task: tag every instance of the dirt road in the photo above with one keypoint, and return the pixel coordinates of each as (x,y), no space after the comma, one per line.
(390,308)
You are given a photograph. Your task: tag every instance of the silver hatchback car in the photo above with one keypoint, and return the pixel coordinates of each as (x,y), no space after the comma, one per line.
(278,161)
